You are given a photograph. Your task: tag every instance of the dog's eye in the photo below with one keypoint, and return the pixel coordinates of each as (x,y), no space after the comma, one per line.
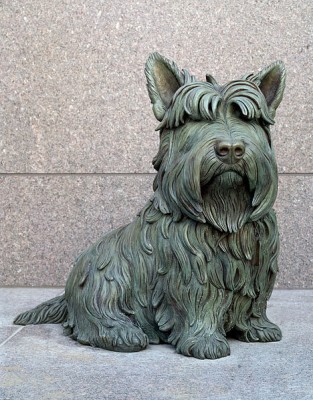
(238,113)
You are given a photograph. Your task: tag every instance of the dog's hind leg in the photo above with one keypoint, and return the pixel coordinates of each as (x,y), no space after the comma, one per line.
(101,322)
(123,336)
(100,299)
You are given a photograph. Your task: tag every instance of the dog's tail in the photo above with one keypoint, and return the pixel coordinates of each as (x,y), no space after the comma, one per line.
(53,311)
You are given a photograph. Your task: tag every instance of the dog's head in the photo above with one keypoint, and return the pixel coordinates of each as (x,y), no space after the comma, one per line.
(215,163)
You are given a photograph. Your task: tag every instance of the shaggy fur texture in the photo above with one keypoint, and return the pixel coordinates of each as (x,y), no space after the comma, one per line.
(200,260)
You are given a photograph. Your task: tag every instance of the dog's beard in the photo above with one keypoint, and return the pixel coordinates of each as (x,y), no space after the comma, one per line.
(227,201)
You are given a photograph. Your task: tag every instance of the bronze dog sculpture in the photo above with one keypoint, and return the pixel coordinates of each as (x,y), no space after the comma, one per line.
(199,262)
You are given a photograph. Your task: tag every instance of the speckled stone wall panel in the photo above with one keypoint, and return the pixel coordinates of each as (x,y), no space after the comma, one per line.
(48,221)
(294,208)
(73,102)
(72,87)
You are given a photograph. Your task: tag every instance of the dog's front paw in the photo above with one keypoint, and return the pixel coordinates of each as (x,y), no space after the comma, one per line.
(211,345)
(261,330)
(265,330)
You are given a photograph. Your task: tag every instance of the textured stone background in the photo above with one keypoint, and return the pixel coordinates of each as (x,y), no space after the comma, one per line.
(77,131)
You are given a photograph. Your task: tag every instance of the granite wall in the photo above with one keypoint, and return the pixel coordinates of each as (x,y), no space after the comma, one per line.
(77,131)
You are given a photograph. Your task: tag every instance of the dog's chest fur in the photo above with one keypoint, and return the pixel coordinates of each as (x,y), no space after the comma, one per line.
(195,257)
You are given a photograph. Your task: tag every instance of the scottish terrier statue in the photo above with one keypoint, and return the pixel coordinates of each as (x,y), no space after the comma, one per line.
(199,261)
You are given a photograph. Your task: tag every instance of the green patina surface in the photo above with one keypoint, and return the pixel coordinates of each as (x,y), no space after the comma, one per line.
(199,262)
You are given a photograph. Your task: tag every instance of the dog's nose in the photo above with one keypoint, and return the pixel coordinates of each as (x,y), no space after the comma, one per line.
(230,153)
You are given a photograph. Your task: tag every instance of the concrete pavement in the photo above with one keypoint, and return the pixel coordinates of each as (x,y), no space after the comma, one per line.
(38,362)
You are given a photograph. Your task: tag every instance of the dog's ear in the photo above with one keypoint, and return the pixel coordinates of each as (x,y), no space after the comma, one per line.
(164,78)
(271,81)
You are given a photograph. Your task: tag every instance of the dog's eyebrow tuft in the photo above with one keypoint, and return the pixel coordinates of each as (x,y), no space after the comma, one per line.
(202,100)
